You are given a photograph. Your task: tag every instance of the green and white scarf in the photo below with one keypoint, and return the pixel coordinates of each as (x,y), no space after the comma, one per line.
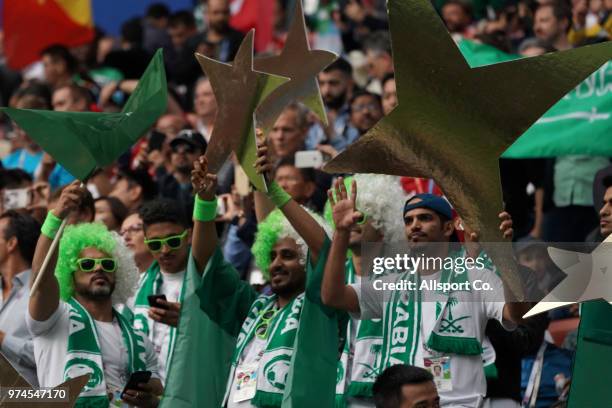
(367,354)
(275,362)
(454,331)
(84,356)
(150,285)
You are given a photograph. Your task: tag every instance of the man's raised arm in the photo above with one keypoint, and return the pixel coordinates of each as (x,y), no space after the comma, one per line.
(204,240)
(334,292)
(308,228)
(45,300)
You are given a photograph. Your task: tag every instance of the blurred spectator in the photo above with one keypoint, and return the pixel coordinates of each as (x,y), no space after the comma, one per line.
(15,180)
(389,94)
(457,15)
(186,148)
(28,157)
(205,108)
(590,20)
(170,125)
(532,253)
(71,98)
(377,48)
(289,132)
(133,234)
(225,39)
(356,20)
(568,200)
(59,65)
(299,183)
(182,67)
(155,26)
(552,22)
(133,188)
(130,59)
(18,236)
(336,84)
(366,111)
(110,211)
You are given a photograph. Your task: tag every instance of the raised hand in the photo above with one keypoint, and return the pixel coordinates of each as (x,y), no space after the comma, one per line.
(262,164)
(69,200)
(344,212)
(204,184)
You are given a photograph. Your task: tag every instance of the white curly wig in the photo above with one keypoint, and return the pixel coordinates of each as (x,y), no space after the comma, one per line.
(382,198)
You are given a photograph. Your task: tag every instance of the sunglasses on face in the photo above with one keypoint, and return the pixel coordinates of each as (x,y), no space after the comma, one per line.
(89,264)
(262,328)
(173,242)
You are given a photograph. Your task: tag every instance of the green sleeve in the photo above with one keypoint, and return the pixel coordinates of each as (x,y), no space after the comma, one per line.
(224,297)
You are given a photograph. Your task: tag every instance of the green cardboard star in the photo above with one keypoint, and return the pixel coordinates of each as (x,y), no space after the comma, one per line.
(11,379)
(83,141)
(298,62)
(453,122)
(238,90)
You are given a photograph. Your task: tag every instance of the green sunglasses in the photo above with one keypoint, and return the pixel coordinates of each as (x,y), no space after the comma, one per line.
(89,264)
(363,219)
(174,242)
(267,316)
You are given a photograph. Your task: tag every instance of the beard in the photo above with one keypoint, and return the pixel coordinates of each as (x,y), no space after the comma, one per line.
(96,292)
(335,102)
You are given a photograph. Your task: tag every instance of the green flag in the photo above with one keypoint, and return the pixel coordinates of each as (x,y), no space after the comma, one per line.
(82,141)
(579,123)
(590,375)
(202,356)
(315,358)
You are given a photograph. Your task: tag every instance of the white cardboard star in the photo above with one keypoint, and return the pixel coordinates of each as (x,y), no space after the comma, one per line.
(589,277)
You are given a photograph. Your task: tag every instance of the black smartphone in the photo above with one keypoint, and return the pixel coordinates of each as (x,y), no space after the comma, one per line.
(156,140)
(153,301)
(137,377)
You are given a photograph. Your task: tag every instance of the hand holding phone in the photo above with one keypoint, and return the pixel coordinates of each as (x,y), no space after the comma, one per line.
(153,301)
(137,377)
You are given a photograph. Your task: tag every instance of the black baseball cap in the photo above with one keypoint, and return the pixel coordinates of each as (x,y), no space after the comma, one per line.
(190,137)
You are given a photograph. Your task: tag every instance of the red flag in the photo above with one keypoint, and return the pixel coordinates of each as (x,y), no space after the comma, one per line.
(32,25)
(257,14)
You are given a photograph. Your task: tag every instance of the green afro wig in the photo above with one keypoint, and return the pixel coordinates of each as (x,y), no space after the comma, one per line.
(75,239)
(275,227)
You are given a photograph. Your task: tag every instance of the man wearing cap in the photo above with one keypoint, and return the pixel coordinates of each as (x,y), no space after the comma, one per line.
(424,327)
(186,148)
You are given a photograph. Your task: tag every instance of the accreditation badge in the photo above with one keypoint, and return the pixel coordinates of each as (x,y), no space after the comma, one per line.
(440,368)
(245,382)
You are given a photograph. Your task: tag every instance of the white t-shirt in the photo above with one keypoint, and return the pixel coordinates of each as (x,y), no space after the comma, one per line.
(160,332)
(468,380)
(51,343)
(252,353)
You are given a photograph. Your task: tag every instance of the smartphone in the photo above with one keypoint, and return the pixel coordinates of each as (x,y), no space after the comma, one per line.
(16,198)
(153,301)
(309,158)
(136,378)
(156,140)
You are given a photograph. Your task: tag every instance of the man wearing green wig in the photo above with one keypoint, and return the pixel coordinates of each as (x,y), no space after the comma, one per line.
(76,329)
(267,328)
(381,199)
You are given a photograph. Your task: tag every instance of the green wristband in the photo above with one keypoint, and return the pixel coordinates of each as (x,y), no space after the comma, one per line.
(204,211)
(51,225)
(277,195)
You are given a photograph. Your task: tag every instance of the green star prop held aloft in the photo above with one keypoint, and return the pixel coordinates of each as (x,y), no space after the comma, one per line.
(453,122)
(83,141)
(298,62)
(10,378)
(238,90)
